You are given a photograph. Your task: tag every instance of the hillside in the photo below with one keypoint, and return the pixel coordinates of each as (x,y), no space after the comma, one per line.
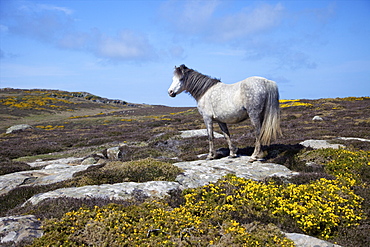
(80,125)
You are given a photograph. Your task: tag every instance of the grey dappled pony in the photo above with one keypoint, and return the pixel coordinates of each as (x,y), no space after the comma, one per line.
(254,97)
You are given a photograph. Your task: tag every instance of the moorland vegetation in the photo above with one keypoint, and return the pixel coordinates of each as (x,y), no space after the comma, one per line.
(329,199)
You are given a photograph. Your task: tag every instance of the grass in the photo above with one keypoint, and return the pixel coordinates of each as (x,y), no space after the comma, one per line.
(230,212)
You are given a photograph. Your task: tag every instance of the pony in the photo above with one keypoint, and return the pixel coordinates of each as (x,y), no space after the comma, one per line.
(256,98)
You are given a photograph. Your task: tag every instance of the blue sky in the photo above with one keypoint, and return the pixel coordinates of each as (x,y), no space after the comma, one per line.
(127,49)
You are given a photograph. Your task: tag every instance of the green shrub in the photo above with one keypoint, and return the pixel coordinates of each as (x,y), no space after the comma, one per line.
(133,171)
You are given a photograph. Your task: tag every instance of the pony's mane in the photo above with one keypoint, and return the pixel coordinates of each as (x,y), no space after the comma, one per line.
(195,83)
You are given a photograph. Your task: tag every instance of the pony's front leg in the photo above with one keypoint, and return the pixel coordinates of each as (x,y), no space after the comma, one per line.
(209,125)
(226,133)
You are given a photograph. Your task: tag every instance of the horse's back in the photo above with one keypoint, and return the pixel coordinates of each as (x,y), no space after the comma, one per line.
(256,82)
(255,90)
(257,86)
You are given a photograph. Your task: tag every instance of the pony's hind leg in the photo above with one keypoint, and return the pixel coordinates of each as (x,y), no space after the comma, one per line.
(226,133)
(258,153)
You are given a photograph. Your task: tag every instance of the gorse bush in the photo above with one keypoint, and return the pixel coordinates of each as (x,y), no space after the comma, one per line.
(38,102)
(317,208)
(154,224)
(353,166)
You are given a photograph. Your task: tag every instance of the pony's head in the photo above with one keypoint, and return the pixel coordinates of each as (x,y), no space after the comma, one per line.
(177,85)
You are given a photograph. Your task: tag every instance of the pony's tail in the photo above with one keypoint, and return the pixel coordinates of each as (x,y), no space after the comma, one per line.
(270,128)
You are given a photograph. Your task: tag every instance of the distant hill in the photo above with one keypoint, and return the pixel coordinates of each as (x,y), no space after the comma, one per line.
(25,103)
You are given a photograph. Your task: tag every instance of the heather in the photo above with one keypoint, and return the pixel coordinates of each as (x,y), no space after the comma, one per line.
(329,199)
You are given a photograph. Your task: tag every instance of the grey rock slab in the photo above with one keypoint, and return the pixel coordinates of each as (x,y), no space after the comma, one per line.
(114,153)
(121,191)
(18,228)
(52,173)
(18,127)
(353,139)
(89,161)
(317,118)
(317,144)
(301,240)
(198,133)
(201,172)
(68,161)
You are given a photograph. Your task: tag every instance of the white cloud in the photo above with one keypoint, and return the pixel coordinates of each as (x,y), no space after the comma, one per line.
(127,45)
(248,22)
(38,21)
(66,11)
(257,31)
(55,26)
(189,17)
(204,19)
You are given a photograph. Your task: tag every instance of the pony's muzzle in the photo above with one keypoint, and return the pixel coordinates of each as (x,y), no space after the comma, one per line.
(171,93)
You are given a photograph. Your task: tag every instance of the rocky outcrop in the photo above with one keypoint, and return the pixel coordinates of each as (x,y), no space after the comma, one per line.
(317,144)
(353,139)
(201,172)
(67,161)
(120,191)
(19,127)
(317,118)
(198,133)
(301,240)
(196,173)
(19,228)
(52,173)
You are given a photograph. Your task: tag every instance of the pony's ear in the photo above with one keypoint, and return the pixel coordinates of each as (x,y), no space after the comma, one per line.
(178,71)
(183,68)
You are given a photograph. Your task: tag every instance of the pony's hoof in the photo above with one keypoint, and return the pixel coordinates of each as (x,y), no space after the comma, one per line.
(252,159)
(233,156)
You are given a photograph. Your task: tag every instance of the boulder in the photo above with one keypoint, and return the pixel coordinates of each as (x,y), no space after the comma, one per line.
(69,161)
(317,144)
(89,161)
(301,240)
(201,172)
(19,127)
(198,133)
(114,153)
(353,139)
(17,228)
(120,191)
(196,173)
(317,118)
(52,173)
